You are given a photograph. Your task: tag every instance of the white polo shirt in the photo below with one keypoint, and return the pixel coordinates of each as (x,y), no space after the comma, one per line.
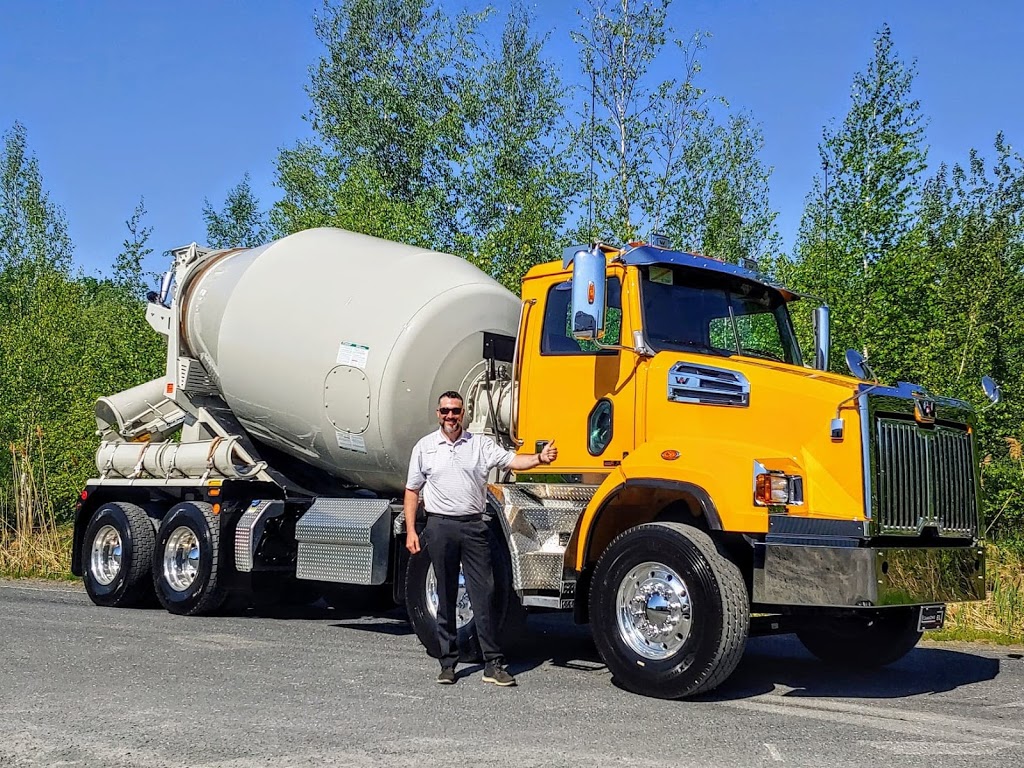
(453,476)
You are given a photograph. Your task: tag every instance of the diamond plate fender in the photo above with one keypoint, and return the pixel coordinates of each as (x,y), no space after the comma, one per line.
(344,540)
(250,529)
(538,520)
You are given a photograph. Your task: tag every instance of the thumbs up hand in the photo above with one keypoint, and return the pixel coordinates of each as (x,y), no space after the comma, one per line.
(549,453)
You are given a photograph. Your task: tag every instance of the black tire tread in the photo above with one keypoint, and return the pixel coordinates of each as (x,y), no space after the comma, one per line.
(736,622)
(143,548)
(734,598)
(138,588)
(213,596)
(215,593)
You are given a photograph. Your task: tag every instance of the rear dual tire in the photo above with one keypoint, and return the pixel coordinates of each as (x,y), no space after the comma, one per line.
(187,564)
(117,554)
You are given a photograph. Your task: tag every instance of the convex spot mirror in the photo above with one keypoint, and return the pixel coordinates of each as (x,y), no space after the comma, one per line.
(855,362)
(859,366)
(991,389)
(588,298)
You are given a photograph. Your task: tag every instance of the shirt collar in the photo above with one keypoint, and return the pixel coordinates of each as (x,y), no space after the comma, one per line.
(443,439)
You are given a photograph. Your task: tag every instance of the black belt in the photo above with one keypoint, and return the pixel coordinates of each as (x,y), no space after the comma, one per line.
(461,518)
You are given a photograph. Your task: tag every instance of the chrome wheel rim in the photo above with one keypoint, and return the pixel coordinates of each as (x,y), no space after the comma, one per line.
(181,559)
(463,608)
(105,562)
(653,611)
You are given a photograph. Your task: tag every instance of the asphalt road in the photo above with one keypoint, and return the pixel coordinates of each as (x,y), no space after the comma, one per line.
(85,686)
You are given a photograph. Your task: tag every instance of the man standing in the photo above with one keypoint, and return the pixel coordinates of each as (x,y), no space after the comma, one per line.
(450,466)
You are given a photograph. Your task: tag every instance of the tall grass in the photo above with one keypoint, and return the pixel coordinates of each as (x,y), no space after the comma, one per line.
(31,542)
(1001,616)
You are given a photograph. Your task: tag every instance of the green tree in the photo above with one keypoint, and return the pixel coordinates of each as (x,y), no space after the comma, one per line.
(389,101)
(38,303)
(973,230)
(65,340)
(32,228)
(129,273)
(720,205)
(240,222)
(661,158)
(862,209)
(516,175)
(618,41)
(119,349)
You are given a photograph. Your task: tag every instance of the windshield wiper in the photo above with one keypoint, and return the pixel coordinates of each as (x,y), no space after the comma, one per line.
(689,344)
(760,354)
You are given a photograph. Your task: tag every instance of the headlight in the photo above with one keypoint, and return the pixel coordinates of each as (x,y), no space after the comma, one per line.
(772,489)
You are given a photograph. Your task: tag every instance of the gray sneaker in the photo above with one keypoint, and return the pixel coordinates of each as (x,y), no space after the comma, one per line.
(447,676)
(497,674)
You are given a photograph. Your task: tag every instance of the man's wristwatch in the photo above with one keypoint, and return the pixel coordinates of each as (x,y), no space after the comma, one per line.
(540,458)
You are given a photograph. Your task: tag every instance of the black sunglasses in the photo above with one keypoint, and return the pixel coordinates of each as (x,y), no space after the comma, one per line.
(446,411)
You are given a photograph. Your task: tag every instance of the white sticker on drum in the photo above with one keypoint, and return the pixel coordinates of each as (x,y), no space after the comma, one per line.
(350,441)
(353,355)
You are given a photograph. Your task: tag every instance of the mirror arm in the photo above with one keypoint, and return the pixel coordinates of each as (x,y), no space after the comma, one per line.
(639,347)
(854,397)
(623,348)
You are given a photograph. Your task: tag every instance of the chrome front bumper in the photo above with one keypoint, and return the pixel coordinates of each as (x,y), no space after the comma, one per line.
(849,575)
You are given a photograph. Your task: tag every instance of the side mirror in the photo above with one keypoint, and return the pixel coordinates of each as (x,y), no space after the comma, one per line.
(859,366)
(991,389)
(588,299)
(822,337)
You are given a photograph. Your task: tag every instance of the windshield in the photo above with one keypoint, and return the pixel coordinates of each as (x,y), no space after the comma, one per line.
(695,310)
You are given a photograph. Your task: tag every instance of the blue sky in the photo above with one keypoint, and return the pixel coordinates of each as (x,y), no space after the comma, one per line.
(175,101)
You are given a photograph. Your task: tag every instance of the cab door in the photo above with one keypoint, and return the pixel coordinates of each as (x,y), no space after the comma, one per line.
(574,392)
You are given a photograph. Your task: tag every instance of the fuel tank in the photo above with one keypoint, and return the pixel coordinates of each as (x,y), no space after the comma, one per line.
(334,346)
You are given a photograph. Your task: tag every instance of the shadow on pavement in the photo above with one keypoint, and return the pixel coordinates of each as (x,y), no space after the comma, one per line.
(782,660)
(768,662)
(389,621)
(555,638)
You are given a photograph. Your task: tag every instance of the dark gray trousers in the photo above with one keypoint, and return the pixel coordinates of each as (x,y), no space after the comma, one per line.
(449,542)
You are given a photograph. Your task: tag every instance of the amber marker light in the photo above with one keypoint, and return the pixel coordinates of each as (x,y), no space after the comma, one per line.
(670,455)
(772,489)
(216,509)
(590,293)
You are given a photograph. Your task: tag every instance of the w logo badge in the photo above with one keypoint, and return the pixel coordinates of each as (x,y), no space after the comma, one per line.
(924,411)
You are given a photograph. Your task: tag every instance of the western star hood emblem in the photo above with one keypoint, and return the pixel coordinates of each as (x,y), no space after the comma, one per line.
(924,410)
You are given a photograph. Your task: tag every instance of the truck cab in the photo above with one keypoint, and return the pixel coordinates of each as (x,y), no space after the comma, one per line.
(689,423)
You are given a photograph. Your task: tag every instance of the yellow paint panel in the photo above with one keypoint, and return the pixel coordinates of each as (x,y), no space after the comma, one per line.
(564,388)
(786,424)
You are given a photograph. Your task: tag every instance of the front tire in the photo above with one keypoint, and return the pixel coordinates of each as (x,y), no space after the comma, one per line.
(117,554)
(187,566)
(670,613)
(863,641)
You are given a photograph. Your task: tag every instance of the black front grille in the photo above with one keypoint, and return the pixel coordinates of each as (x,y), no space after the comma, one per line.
(925,477)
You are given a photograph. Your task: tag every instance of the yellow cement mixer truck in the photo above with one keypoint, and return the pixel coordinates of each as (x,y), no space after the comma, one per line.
(710,483)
